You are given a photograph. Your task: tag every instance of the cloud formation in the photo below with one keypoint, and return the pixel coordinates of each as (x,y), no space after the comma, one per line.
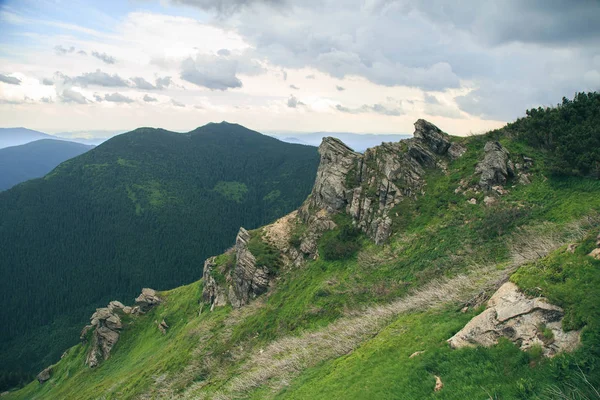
(11,80)
(143,84)
(71,96)
(375,108)
(149,99)
(104,57)
(215,73)
(117,98)
(100,78)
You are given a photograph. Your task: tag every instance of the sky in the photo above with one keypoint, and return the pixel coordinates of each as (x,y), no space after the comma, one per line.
(364,66)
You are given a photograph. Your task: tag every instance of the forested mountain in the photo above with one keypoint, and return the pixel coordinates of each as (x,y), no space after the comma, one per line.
(436,267)
(145,208)
(35,159)
(18,136)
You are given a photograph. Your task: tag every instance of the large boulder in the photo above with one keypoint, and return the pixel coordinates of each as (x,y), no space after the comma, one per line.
(523,320)
(212,293)
(44,375)
(496,167)
(147,299)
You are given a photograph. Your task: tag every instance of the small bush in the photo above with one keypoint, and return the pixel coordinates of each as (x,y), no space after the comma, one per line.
(265,254)
(340,244)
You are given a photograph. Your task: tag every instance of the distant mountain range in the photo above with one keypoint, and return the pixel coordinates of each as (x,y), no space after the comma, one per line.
(357,141)
(17,136)
(35,159)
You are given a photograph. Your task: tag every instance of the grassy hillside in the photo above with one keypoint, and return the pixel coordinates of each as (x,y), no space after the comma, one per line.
(345,325)
(145,208)
(35,159)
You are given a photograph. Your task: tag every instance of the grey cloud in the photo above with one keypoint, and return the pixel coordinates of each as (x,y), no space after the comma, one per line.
(117,98)
(340,89)
(143,84)
(215,73)
(81,52)
(434,108)
(310,76)
(60,50)
(47,82)
(11,80)
(71,96)
(176,103)
(149,99)
(46,100)
(104,57)
(224,52)
(293,102)
(294,87)
(227,7)
(100,78)
(163,82)
(98,98)
(284,73)
(375,108)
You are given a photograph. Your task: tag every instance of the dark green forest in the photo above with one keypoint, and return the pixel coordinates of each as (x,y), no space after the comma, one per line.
(144,209)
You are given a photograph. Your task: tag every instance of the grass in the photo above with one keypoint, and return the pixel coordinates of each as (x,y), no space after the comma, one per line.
(234,191)
(344,326)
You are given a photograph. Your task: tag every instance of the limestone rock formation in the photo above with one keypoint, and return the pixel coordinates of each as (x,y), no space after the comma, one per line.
(212,293)
(524,321)
(367,186)
(106,325)
(496,167)
(147,299)
(248,280)
(44,375)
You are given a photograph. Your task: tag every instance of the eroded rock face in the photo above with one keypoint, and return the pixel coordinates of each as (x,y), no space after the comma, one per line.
(106,326)
(496,167)
(248,280)
(524,321)
(212,293)
(367,186)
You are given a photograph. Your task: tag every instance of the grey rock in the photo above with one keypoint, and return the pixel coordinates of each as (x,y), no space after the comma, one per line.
(436,140)
(147,299)
(44,375)
(248,280)
(496,167)
(212,293)
(367,186)
(513,315)
(162,327)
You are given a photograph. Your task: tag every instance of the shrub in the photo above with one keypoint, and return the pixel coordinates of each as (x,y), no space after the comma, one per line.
(340,244)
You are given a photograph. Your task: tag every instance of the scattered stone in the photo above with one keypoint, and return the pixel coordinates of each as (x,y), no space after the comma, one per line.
(496,167)
(44,375)
(500,190)
(438,384)
(464,309)
(489,200)
(163,327)
(571,248)
(472,201)
(416,353)
(513,315)
(595,253)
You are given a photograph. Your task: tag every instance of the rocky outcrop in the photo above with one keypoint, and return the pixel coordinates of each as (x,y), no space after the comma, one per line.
(496,167)
(525,321)
(212,293)
(105,325)
(245,281)
(44,375)
(367,186)
(248,280)
(147,299)
(596,252)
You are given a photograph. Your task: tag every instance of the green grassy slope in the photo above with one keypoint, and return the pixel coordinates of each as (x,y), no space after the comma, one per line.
(345,327)
(145,208)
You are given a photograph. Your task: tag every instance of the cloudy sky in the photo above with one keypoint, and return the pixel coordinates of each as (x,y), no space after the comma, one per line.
(311,65)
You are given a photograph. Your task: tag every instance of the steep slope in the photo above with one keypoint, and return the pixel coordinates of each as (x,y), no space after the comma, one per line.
(310,307)
(18,136)
(35,159)
(146,208)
